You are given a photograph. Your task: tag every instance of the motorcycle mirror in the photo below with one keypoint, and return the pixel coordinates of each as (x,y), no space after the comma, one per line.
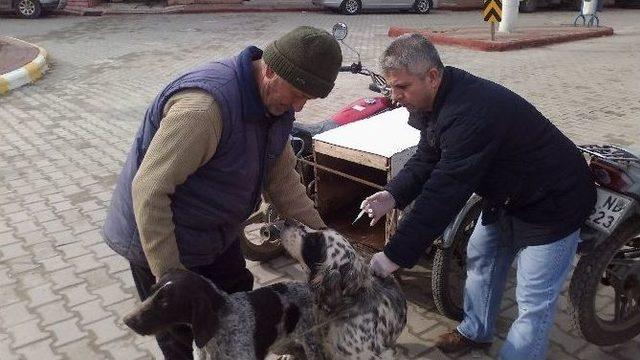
(340,31)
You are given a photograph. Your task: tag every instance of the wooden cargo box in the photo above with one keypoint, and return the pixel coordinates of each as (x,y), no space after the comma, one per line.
(354,161)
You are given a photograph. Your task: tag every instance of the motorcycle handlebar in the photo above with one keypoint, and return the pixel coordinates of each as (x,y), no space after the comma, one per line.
(353,68)
(378,83)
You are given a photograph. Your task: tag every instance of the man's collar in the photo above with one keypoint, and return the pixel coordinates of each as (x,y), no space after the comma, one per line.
(441,94)
(253,109)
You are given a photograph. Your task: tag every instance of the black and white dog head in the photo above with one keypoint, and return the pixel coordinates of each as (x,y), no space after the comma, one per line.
(364,314)
(336,272)
(179,297)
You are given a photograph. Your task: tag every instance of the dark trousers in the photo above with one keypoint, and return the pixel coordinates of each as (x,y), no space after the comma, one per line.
(228,273)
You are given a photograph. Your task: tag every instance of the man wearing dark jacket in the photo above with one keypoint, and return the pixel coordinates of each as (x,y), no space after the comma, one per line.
(477,136)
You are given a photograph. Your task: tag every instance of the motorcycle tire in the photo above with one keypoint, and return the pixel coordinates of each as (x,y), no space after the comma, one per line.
(583,290)
(449,270)
(263,251)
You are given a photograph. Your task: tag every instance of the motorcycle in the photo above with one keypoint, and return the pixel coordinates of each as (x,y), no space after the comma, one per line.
(260,238)
(604,293)
(604,290)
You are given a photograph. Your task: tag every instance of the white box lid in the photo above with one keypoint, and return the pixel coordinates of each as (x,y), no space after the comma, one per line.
(385,134)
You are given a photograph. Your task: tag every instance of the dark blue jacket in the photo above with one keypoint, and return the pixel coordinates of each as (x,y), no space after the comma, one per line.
(210,206)
(483,138)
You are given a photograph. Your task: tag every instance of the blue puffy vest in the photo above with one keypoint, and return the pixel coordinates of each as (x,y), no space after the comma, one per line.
(209,208)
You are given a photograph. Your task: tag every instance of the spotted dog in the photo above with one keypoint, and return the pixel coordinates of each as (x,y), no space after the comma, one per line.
(361,315)
(246,325)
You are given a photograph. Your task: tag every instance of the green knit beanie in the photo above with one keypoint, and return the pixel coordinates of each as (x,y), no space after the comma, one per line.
(307,58)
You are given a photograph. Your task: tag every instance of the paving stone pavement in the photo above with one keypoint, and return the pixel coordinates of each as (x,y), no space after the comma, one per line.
(63,293)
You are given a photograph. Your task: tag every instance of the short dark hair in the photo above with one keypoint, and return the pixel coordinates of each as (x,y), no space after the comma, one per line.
(411,52)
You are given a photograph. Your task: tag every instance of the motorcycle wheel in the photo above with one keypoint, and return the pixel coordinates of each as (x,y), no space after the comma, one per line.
(604,298)
(449,270)
(254,247)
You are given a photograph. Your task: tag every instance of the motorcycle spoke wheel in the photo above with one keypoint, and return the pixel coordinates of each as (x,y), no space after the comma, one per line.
(623,308)
(615,305)
(604,294)
(626,302)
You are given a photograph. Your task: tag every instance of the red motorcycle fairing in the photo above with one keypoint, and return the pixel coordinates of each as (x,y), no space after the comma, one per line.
(361,109)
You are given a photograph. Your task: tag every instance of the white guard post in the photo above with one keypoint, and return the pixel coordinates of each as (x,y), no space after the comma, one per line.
(509,16)
(588,14)
(589,7)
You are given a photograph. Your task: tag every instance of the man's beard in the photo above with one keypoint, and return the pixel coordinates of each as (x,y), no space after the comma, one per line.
(417,114)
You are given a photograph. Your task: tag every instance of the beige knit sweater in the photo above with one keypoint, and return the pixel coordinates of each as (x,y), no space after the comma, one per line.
(187,139)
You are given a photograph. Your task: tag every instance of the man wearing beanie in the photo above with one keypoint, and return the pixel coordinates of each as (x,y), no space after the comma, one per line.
(211,143)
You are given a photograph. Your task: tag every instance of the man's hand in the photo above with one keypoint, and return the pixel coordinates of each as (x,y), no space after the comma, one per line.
(378,205)
(381,265)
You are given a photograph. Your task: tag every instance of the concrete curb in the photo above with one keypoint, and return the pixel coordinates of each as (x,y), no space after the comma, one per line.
(216,8)
(442,38)
(26,74)
(186,9)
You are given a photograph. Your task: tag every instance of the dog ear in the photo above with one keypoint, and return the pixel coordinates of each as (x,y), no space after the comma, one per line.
(355,277)
(328,293)
(314,249)
(203,321)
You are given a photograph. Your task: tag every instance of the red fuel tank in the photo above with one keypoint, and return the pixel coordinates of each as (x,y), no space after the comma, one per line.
(361,109)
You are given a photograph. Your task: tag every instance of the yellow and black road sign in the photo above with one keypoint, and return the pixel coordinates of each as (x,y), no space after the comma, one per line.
(492,11)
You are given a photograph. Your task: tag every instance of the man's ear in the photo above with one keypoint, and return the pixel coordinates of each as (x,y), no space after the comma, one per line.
(432,76)
(203,321)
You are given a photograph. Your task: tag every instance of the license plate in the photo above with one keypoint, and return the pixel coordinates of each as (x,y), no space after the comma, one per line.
(609,210)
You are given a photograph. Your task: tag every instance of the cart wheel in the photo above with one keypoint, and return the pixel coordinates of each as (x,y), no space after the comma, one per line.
(256,243)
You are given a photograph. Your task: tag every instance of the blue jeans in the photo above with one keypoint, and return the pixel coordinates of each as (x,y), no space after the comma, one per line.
(541,272)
